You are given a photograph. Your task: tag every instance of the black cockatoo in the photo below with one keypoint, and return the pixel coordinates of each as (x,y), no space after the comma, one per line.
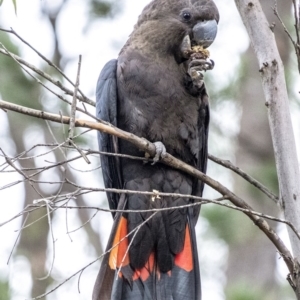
(155,90)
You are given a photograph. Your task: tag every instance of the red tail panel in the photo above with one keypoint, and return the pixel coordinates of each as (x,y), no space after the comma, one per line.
(146,271)
(184,259)
(147,283)
(118,253)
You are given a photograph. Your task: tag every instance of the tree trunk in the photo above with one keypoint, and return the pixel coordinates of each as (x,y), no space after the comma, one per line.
(255,255)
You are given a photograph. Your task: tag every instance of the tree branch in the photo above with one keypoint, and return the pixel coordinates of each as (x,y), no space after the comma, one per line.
(74,102)
(49,62)
(168,159)
(295,43)
(47,77)
(227,164)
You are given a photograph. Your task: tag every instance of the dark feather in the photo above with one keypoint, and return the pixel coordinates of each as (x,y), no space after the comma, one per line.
(148,92)
(106,110)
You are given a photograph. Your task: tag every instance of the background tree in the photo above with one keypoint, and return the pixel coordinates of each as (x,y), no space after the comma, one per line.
(232,227)
(254,153)
(34,242)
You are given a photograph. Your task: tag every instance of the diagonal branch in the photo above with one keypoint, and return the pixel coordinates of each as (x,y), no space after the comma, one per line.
(49,62)
(296,43)
(46,76)
(168,159)
(227,164)
(74,102)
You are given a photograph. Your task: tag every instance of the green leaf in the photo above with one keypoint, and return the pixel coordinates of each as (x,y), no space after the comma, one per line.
(15,5)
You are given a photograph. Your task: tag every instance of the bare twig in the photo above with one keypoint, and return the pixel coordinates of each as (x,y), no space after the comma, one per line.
(81,226)
(250,179)
(40,170)
(275,9)
(47,77)
(80,151)
(40,218)
(297,20)
(19,215)
(296,43)
(187,196)
(20,172)
(15,243)
(55,146)
(277,102)
(67,224)
(49,62)
(137,229)
(91,263)
(168,159)
(85,111)
(52,237)
(74,102)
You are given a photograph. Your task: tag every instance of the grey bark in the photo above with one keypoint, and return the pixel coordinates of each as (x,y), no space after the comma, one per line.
(255,154)
(277,103)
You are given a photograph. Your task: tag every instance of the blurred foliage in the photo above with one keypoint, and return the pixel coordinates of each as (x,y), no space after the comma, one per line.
(14,83)
(18,87)
(268,176)
(4,290)
(248,278)
(230,225)
(219,93)
(104,8)
(14,3)
(244,291)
